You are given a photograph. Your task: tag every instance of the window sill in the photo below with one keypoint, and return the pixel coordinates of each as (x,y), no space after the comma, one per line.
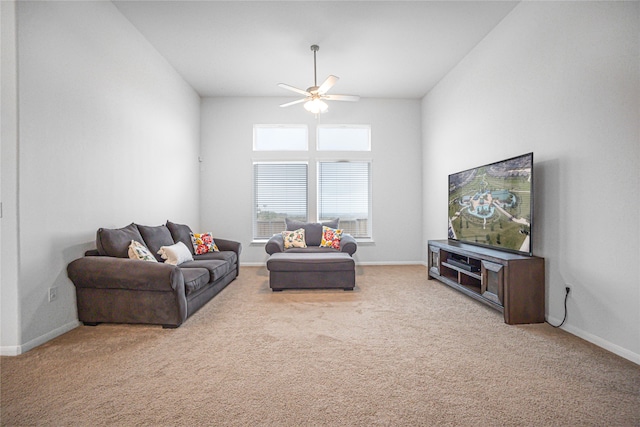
(366,242)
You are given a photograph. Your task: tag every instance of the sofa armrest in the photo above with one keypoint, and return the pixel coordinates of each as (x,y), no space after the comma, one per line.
(104,272)
(348,244)
(274,244)
(228,245)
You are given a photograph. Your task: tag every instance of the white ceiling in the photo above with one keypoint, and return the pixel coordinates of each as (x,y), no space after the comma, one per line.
(387,49)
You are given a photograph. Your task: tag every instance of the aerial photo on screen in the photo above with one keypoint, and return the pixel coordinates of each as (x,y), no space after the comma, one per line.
(491,205)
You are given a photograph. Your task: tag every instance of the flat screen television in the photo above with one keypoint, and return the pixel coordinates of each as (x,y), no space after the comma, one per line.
(492,205)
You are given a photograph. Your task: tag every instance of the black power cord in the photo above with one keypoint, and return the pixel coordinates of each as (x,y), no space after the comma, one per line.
(566,295)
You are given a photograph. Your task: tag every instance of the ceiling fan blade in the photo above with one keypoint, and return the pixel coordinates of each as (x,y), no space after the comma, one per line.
(294,89)
(327,84)
(352,98)
(294,102)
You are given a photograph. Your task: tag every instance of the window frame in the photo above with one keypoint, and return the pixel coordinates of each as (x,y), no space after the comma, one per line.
(312,157)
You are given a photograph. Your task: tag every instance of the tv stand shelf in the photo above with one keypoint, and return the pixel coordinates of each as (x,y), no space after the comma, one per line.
(510,283)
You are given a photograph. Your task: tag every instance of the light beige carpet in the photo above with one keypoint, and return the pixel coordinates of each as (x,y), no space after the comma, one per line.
(400,350)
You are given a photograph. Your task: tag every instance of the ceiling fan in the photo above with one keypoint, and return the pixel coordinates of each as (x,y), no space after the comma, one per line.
(316,95)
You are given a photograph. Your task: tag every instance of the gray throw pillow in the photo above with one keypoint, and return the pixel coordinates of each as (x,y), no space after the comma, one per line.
(115,241)
(312,230)
(181,233)
(155,238)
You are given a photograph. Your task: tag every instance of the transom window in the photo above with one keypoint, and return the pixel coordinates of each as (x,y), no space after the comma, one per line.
(344,138)
(280,138)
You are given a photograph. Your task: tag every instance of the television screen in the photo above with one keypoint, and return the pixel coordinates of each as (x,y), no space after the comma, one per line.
(492,205)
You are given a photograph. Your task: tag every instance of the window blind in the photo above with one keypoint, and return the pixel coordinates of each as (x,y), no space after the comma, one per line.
(343,192)
(280,191)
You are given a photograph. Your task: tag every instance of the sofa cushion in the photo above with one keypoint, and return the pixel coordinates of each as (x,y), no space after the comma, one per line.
(310,250)
(175,254)
(140,252)
(217,268)
(306,262)
(229,256)
(312,230)
(194,279)
(115,241)
(155,238)
(181,233)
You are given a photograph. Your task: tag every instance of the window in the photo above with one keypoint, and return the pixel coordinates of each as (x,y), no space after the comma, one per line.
(293,180)
(344,138)
(280,138)
(280,191)
(344,192)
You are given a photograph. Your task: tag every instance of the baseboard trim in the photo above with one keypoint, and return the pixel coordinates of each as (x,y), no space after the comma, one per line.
(383,263)
(19,349)
(9,350)
(602,343)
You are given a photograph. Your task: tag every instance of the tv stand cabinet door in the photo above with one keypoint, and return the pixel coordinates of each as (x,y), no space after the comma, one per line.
(434,260)
(492,287)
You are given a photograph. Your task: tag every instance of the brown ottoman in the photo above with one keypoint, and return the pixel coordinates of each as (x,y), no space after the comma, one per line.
(326,270)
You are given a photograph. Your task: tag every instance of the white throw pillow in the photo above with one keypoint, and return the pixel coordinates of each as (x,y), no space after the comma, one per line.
(175,254)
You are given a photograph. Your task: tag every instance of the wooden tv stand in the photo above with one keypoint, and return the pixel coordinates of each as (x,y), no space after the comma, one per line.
(510,283)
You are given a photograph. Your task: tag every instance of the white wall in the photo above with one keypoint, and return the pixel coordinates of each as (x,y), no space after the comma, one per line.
(9,311)
(561,80)
(226,179)
(108,135)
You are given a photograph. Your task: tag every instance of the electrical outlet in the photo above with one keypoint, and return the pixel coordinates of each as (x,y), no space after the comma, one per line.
(53,294)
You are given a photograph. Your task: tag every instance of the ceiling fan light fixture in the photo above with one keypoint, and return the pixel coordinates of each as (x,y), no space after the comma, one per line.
(316,106)
(314,95)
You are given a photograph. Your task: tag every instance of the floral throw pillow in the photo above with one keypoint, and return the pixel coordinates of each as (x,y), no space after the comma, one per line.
(331,237)
(203,243)
(139,251)
(294,239)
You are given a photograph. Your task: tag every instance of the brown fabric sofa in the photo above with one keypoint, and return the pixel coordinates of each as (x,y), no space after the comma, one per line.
(112,288)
